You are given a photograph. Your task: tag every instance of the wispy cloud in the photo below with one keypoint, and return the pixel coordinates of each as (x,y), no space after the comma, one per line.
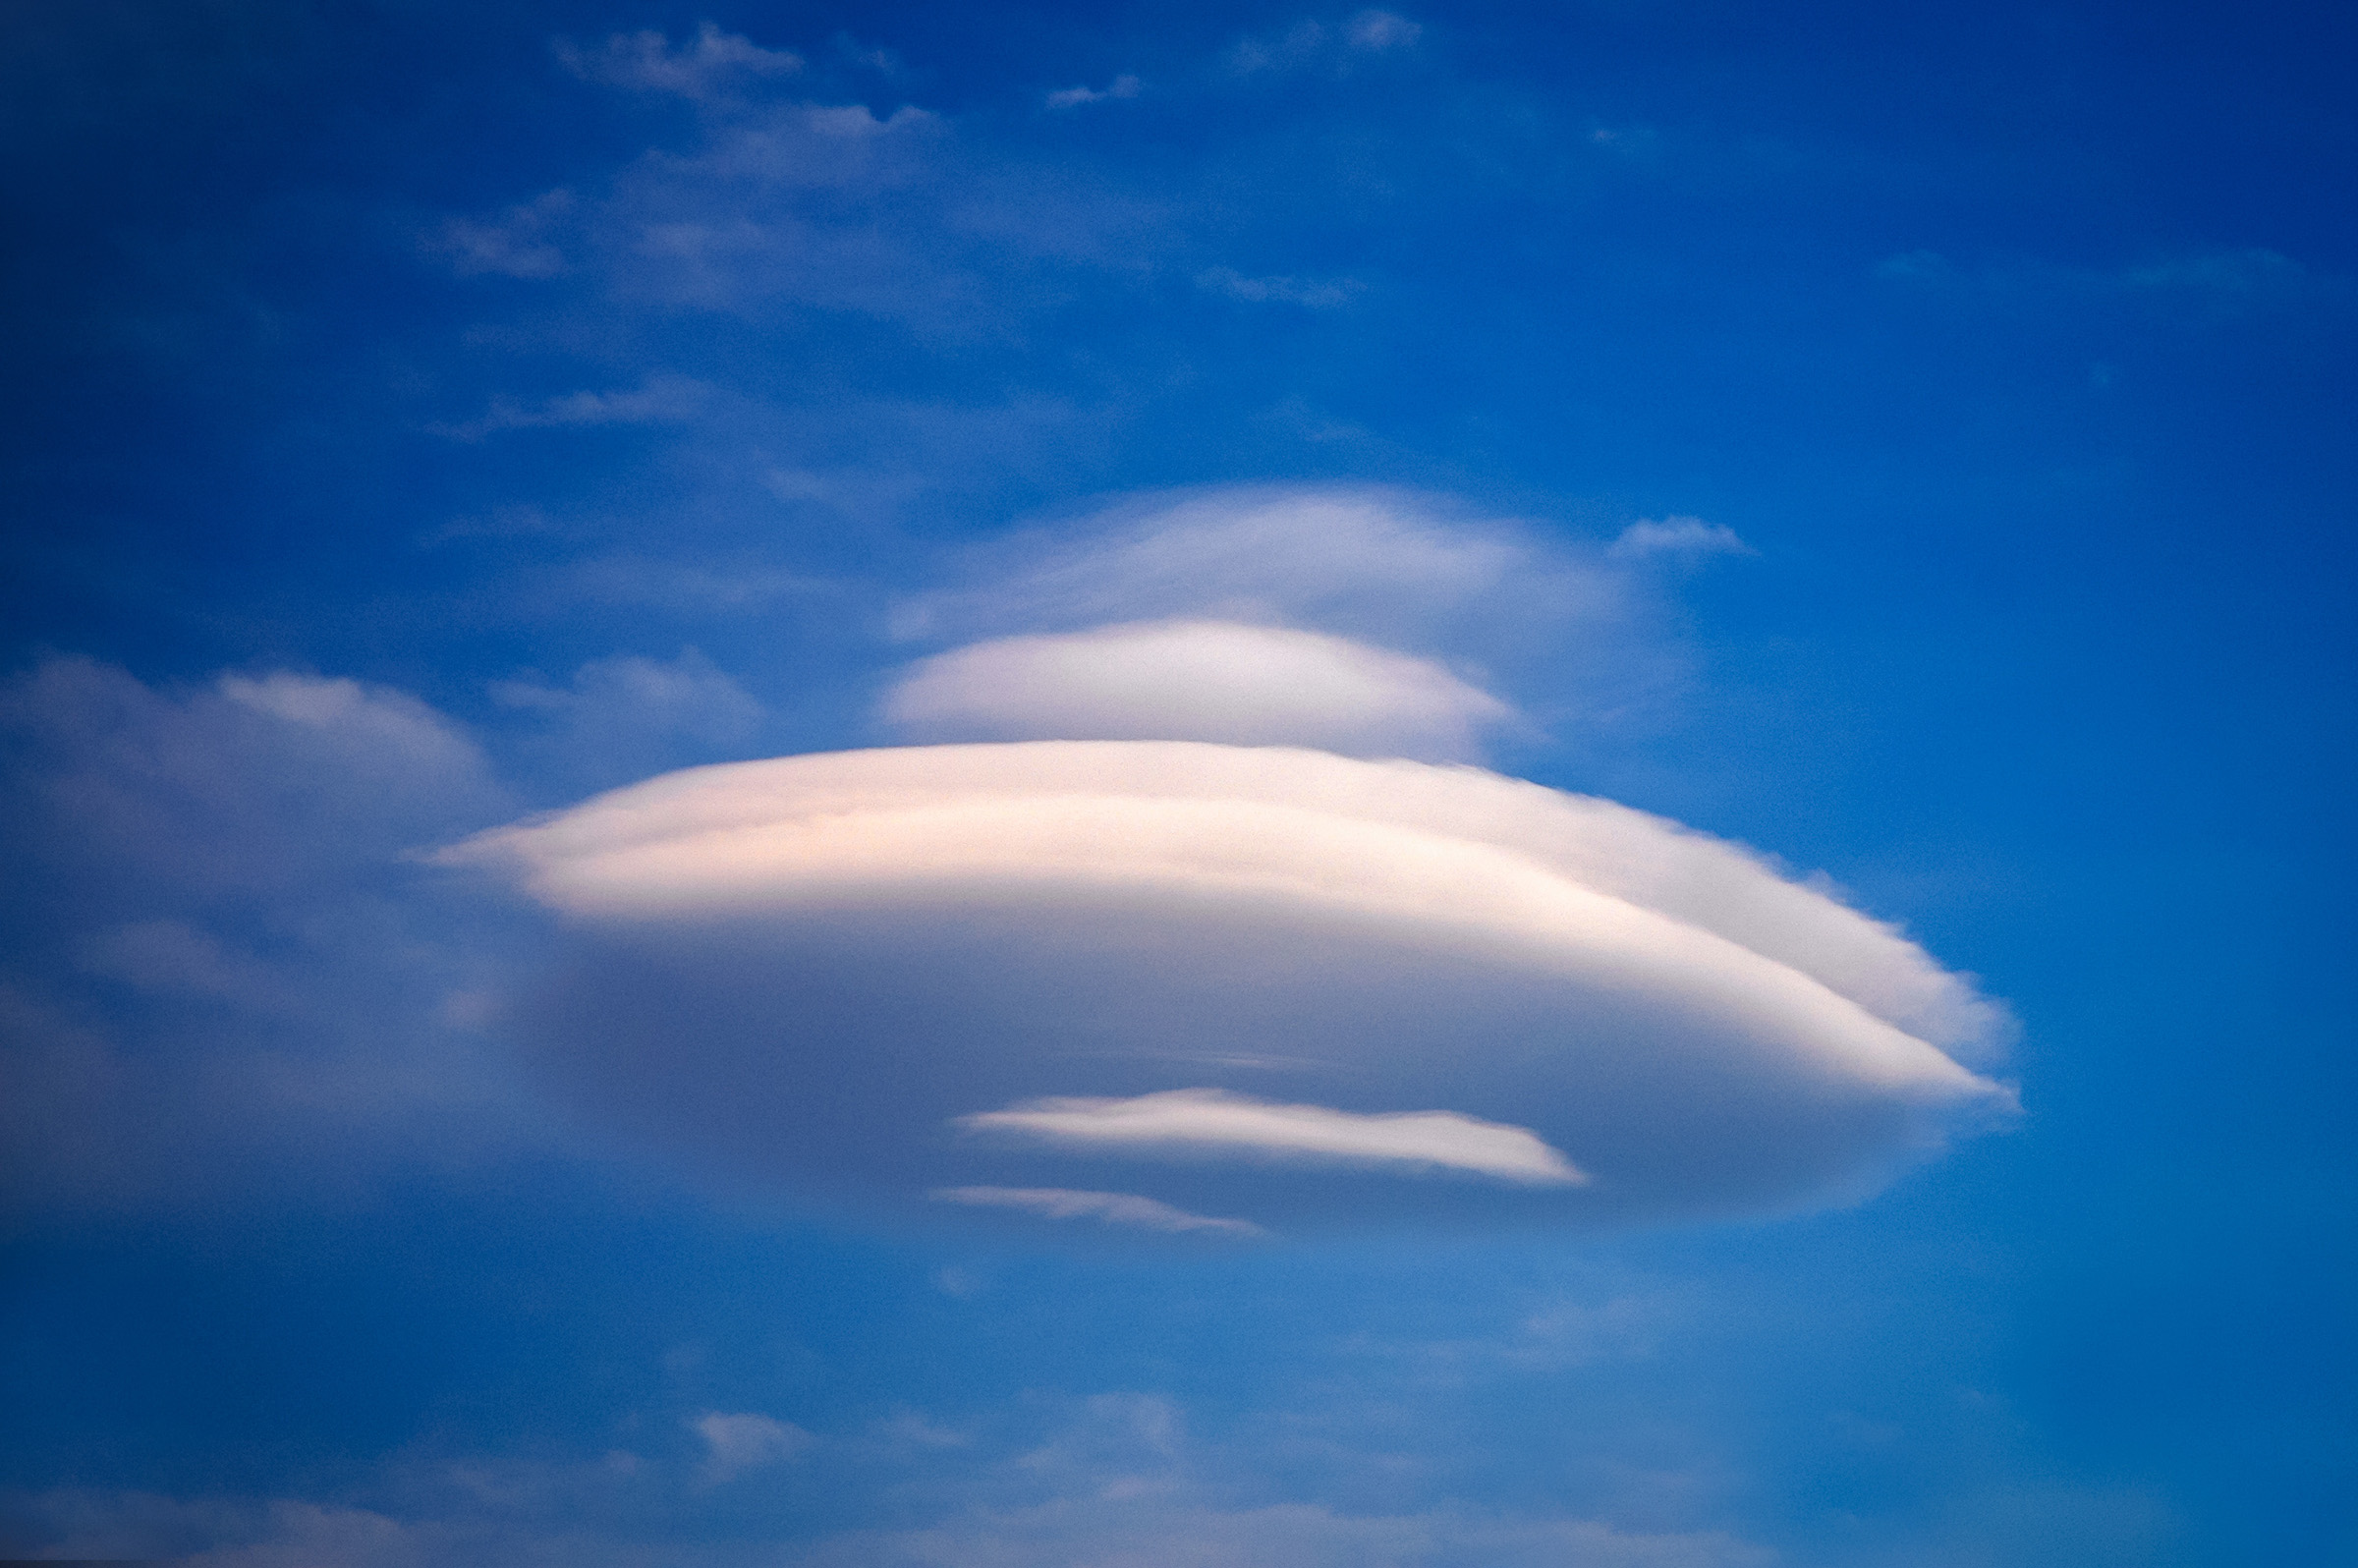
(1320,293)
(658,400)
(1201,1121)
(1676,536)
(1112,1208)
(1121,87)
(1332,44)
(734,1444)
(705,67)
(520,243)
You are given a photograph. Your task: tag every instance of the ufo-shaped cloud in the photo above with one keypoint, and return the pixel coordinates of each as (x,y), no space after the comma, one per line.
(1277,985)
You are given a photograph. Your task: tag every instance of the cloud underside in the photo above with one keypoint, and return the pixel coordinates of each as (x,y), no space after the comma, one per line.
(1279,984)
(1196,680)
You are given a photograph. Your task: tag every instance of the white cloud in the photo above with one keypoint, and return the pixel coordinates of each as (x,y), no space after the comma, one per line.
(703,69)
(1378,31)
(628,715)
(1122,87)
(1677,536)
(522,243)
(1211,1121)
(1377,564)
(737,1443)
(1310,42)
(1565,631)
(1317,293)
(1117,1482)
(659,400)
(875,944)
(236,855)
(1113,1209)
(1196,680)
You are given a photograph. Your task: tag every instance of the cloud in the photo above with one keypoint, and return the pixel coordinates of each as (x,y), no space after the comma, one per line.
(519,244)
(1122,87)
(1307,42)
(1113,1209)
(1211,1121)
(659,400)
(1676,536)
(1196,680)
(1117,1479)
(2249,272)
(1378,31)
(1380,565)
(702,70)
(737,1443)
(818,970)
(225,967)
(628,715)
(1318,295)
(174,958)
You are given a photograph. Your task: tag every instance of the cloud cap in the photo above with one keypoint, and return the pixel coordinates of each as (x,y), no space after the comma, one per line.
(1196,680)
(859,972)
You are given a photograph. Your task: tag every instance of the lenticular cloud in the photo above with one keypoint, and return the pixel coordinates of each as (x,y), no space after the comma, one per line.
(1277,985)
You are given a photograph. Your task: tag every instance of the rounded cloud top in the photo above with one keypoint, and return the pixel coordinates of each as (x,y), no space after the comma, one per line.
(1264,984)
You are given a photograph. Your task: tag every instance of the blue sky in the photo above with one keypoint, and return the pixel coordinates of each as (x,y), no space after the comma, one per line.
(1915,446)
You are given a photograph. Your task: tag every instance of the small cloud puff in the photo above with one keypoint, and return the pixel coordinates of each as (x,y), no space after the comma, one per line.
(520,243)
(1121,87)
(1196,680)
(1687,536)
(737,1443)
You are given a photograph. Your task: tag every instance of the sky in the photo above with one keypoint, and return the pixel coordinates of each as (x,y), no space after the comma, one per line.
(915,786)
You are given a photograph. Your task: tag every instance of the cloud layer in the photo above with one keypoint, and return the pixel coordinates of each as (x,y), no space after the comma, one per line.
(1199,681)
(1466,993)
(1214,1122)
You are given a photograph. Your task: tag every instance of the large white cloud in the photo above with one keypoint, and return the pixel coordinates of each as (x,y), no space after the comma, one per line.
(862,972)
(1200,681)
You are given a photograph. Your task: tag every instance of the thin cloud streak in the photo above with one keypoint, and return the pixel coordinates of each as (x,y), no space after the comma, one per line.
(1211,1121)
(1113,1209)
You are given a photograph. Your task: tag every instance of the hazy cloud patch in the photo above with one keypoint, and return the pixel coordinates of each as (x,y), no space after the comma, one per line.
(700,69)
(1320,293)
(737,1443)
(1121,87)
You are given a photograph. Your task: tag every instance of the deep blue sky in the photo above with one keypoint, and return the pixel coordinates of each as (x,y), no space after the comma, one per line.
(448,349)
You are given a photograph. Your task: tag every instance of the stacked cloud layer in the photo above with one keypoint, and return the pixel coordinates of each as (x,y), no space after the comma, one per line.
(1265,985)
